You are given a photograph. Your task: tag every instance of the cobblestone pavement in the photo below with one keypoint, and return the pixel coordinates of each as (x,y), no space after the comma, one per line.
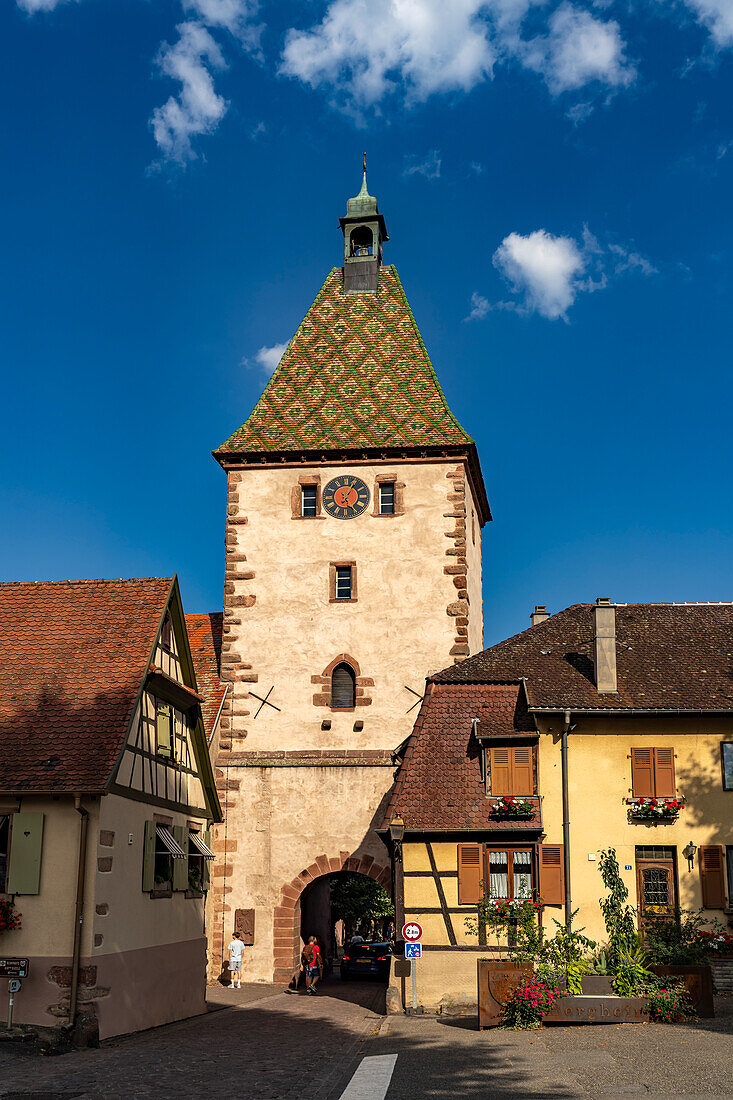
(259,1043)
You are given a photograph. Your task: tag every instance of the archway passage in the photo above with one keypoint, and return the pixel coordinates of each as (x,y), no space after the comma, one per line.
(308,896)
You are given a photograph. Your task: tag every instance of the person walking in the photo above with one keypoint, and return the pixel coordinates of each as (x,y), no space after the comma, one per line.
(236,950)
(312,961)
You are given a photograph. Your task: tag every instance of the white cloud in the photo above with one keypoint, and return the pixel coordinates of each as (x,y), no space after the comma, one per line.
(367,47)
(717,17)
(33,6)
(234,16)
(267,359)
(428,167)
(544,269)
(546,273)
(197,109)
(578,50)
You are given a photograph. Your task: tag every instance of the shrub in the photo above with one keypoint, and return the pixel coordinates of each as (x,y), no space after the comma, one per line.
(676,940)
(669,1002)
(617,915)
(631,975)
(528,1004)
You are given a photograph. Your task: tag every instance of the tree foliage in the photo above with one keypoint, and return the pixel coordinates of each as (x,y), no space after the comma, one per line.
(359,901)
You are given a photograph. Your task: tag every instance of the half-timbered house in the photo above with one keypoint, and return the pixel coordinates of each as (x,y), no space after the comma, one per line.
(602,726)
(106,799)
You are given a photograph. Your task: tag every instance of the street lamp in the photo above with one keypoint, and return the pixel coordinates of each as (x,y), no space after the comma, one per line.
(397,831)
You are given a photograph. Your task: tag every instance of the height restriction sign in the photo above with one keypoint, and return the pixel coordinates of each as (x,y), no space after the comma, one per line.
(412,931)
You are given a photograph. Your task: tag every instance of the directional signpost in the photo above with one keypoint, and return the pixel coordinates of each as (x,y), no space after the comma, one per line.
(412,934)
(15,969)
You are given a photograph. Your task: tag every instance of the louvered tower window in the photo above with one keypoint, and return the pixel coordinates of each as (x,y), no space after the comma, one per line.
(343,687)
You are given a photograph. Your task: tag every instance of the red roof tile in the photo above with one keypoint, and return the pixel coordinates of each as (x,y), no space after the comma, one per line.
(73,654)
(439,783)
(669,657)
(204,636)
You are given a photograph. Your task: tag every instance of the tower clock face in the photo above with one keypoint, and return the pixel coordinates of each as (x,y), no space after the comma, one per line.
(345,496)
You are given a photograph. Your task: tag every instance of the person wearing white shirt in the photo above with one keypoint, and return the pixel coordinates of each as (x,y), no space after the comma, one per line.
(236,950)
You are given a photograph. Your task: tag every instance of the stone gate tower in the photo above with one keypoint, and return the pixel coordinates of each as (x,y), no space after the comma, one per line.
(353,569)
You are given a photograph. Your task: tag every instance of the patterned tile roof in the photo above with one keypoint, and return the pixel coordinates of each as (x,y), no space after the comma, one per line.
(669,657)
(204,636)
(73,654)
(356,374)
(439,784)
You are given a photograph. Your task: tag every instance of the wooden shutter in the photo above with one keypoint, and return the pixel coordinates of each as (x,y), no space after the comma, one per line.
(206,875)
(552,874)
(343,687)
(711,876)
(642,773)
(163,730)
(664,773)
(180,866)
(26,843)
(149,856)
(522,777)
(501,771)
(469,874)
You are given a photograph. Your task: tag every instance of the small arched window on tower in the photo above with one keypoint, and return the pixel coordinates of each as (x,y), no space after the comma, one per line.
(362,241)
(343,688)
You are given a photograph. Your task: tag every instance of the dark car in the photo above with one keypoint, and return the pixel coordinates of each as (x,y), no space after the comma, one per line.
(366,960)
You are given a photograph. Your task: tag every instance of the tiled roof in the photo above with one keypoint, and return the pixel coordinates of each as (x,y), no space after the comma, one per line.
(439,783)
(73,655)
(204,636)
(669,657)
(356,374)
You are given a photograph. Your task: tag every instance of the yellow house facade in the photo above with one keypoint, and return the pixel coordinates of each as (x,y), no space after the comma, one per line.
(644,763)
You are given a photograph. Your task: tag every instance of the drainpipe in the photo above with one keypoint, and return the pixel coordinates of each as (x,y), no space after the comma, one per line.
(78,912)
(566,818)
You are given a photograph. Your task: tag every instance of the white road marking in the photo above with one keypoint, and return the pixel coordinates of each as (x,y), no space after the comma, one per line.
(372,1078)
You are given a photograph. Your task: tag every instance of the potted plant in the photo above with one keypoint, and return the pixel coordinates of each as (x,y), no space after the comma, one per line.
(656,809)
(9,916)
(509,806)
(497,978)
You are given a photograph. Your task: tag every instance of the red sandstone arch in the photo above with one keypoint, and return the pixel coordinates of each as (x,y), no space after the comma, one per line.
(287,929)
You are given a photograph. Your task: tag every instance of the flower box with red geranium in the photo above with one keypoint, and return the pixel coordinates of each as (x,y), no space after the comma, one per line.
(656,809)
(9,916)
(509,806)
(718,944)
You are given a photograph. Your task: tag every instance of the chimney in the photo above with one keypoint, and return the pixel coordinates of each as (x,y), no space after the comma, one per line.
(539,614)
(604,621)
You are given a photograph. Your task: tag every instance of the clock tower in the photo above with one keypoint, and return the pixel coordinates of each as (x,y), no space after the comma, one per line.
(355,506)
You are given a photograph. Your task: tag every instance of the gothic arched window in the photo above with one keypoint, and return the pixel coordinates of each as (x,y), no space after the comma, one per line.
(343,687)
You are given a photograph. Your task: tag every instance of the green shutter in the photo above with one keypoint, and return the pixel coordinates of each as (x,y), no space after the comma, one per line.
(149,856)
(26,841)
(163,731)
(180,866)
(206,876)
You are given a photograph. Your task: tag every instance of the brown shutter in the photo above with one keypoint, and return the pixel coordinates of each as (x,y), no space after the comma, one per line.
(469,873)
(642,773)
(501,773)
(552,874)
(522,778)
(664,773)
(711,876)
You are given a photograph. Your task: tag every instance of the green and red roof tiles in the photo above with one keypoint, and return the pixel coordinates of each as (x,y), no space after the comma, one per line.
(355,375)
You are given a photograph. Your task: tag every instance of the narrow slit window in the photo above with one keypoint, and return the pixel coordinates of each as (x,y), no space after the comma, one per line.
(309,500)
(386,498)
(343,582)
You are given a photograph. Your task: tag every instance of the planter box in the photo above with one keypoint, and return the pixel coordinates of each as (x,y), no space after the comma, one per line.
(698,983)
(722,970)
(597,985)
(496,979)
(599,1010)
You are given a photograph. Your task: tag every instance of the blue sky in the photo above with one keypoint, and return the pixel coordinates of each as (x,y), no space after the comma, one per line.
(556,180)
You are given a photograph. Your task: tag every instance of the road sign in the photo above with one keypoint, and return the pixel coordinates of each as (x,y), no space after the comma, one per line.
(412,931)
(14,968)
(14,985)
(413,950)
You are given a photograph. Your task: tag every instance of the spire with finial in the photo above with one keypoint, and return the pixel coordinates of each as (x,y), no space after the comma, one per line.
(364,233)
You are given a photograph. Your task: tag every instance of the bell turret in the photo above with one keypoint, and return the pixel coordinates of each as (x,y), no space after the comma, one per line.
(364,234)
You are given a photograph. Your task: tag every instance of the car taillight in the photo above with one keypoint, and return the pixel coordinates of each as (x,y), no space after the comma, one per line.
(382,958)
(345,958)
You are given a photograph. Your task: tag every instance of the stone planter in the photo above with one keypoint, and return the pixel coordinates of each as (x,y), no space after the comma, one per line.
(496,979)
(698,983)
(599,1010)
(722,970)
(597,985)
